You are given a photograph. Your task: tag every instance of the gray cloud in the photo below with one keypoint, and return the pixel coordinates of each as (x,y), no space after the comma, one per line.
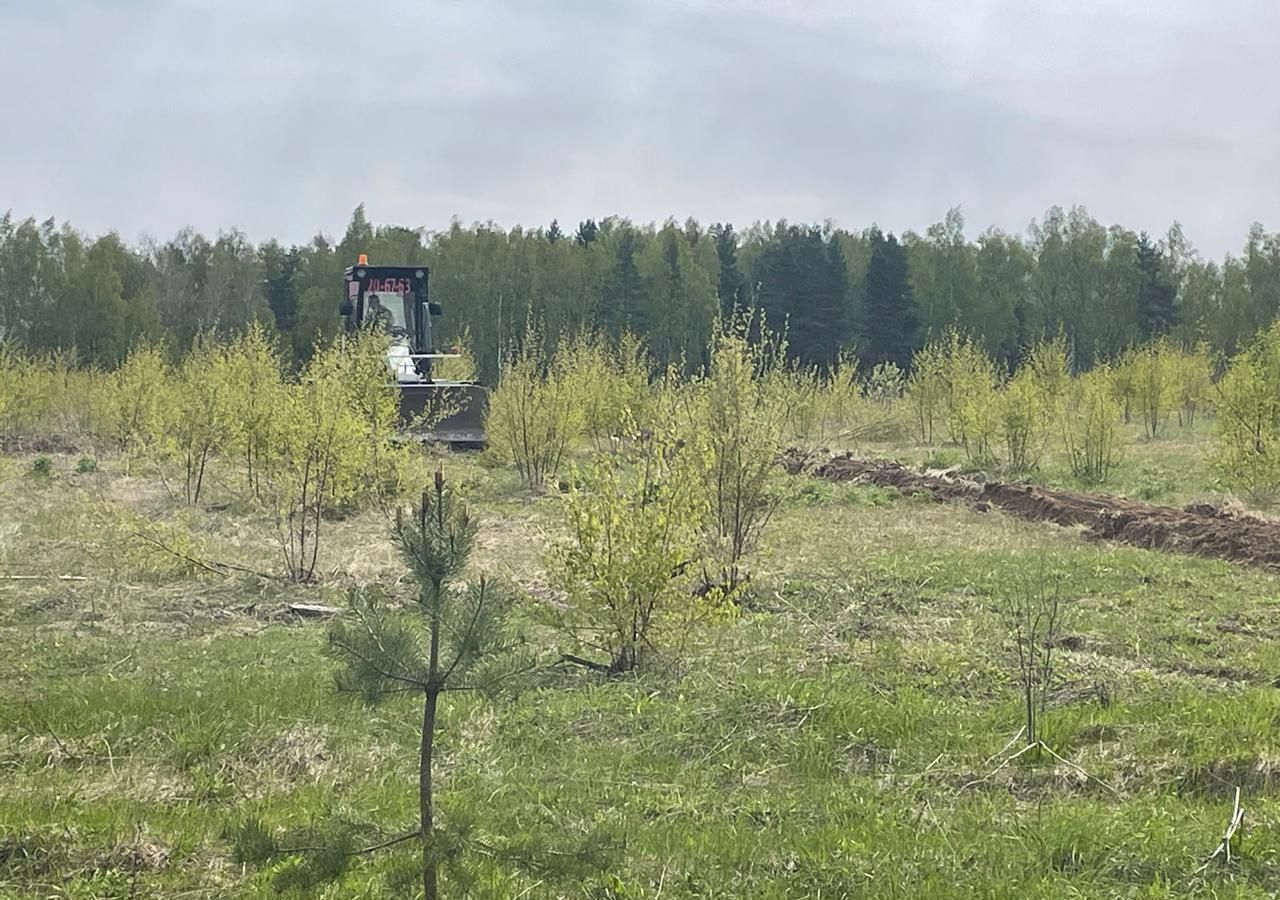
(278,117)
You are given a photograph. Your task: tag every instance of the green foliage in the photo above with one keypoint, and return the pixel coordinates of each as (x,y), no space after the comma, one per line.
(736,430)
(806,400)
(635,520)
(139,406)
(253,374)
(383,472)
(611,384)
(927,390)
(1155,383)
(203,411)
(1124,383)
(48,395)
(86,465)
(972,400)
(534,412)
(332,432)
(836,405)
(802,287)
(1194,383)
(1025,421)
(1091,429)
(454,639)
(18,390)
(884,385)
(456,631)
(461,367)
(1104,288)
(1049,364)
(42,467)
(1247,448)
(869,661)
(1032,401)
(889,319)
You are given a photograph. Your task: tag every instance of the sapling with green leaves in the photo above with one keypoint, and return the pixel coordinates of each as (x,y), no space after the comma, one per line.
(452,637)
(635,521)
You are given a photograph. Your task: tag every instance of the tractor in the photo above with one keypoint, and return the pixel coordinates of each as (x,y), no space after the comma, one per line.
(394,300)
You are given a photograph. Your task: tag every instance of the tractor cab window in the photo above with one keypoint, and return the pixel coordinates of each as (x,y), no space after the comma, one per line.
(388,311)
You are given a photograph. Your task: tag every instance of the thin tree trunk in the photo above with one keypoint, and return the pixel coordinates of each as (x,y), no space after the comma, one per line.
(434,686)
(424,795)
(1031,716)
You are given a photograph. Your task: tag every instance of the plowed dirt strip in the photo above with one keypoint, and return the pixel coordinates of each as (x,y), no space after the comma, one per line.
(1199,529)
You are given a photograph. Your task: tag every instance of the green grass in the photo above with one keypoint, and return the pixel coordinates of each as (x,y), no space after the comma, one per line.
(1171,469)
(842,737)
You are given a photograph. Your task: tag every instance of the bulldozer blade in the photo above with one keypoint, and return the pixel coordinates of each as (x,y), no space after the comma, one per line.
(451,413)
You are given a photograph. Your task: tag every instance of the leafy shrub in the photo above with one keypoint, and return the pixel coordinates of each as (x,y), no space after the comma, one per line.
(534,413)
(1247,441)
(13,387)
(1024,421)
(884,385)
(736,429)
(42,467)
(635,521)
(1048,363)
(1155,384)
(254,378)
(333,434)
(1194,383)
(46,394)
(139,404)
(382,471)
(86,465)
(1090,427)
(804,397)
(972,406)
(926,390)
(203,411)
(1124,386)
(611,384)
(837,405)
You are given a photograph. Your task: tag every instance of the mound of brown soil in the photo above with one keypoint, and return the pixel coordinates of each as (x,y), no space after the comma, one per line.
(1200,529)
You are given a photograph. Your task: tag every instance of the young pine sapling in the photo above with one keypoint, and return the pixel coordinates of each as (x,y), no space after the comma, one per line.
(452,638)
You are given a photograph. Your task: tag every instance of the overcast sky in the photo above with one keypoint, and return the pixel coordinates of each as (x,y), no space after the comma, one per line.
(279,116)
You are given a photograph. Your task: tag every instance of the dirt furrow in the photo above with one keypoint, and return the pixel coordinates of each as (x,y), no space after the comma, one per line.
(1200,529)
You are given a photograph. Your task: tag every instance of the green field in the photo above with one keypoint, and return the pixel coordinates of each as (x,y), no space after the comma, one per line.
(845,735)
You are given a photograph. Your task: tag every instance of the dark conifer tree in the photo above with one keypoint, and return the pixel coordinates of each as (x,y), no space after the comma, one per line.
(889,324)
(624,288)
(588,230)
(1157,295)
(733,284)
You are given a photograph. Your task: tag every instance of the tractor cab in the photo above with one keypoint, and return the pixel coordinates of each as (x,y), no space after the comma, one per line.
(393,300)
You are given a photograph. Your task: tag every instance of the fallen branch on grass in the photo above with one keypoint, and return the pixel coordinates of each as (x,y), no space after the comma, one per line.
(216,567)
(313,610)
(1224,846)
(585,663)
(43,577)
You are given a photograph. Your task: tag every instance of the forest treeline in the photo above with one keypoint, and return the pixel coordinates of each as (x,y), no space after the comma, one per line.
(876,295)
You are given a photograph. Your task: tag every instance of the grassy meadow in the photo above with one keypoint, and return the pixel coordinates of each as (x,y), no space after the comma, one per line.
(847,733)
